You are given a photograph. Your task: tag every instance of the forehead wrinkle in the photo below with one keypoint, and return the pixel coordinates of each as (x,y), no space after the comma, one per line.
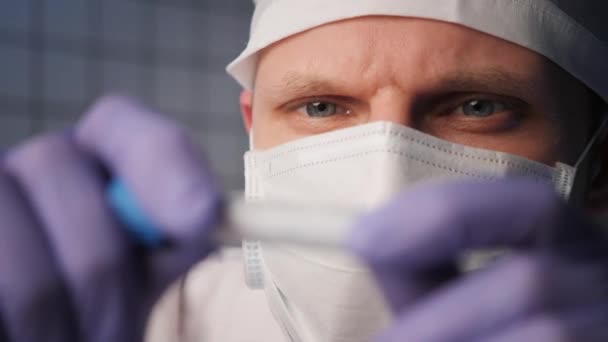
(360,76)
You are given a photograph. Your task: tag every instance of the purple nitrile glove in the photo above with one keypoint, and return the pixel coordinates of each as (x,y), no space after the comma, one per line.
(553,286)
(68,270)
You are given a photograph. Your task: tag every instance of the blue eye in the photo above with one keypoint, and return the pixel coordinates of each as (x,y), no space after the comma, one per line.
(481,108)
(321,109)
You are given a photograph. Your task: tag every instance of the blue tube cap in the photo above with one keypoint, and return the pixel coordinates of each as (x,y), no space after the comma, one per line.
(131,215)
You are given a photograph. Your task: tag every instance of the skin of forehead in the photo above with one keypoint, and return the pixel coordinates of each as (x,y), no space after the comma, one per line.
(375,61)
(408,39)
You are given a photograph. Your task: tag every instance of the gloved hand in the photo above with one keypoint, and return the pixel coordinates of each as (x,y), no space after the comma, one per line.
(68,270)
(553,286)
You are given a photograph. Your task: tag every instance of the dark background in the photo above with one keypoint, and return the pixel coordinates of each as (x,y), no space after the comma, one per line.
(57,56)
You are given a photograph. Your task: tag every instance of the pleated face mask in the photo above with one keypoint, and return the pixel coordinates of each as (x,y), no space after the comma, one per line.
(319,294)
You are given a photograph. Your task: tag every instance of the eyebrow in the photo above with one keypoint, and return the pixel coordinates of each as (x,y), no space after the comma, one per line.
(296,84)
(496,81)
(300,84)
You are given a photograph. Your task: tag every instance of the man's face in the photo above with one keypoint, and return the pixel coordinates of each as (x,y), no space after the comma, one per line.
(442,79)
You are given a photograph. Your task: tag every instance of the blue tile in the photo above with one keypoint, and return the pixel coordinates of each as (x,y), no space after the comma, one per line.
(55,124)
(14,128)
(175,28)
(15,14)
(173,89)
(224,150)
(66,18)
(14,69)
(65,78)
(216,92)
(123,78)
(221,35)
(123,21)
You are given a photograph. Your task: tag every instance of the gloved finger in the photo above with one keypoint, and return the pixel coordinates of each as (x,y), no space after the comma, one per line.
(95,258)
(494,298)
(434,223)
(4,332)
(34,303)
(587,324)
(161,168)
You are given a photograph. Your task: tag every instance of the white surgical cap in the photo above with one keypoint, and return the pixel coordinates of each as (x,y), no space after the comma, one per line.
(571,33)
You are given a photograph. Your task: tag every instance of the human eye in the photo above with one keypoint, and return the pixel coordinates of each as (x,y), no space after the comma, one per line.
(480,108)
(319,114)
(321,109)
(478,113)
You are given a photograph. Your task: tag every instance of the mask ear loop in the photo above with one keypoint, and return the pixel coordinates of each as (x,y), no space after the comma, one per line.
(253,261)
(600,133)
(574,189)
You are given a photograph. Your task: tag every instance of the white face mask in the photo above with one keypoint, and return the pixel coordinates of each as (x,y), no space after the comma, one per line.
(320,295)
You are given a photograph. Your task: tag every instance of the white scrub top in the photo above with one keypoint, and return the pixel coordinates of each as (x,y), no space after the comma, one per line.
(213,304)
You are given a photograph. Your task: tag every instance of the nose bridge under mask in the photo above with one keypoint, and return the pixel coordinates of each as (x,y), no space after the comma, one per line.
(387,153)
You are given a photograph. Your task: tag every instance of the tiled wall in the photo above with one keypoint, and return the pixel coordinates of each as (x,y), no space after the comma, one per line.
(56,56)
